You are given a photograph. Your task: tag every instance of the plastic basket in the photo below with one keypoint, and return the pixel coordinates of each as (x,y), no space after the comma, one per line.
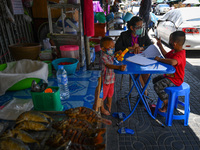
(49,68)
(128,16)
(70,68)
(47,101)
(20,85)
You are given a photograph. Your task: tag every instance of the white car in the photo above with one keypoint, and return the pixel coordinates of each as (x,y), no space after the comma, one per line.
(135,10)
(185,19)
(162,9)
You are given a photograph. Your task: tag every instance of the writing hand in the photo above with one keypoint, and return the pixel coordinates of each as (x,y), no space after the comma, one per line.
(157,58)
(137,50)
(159,42)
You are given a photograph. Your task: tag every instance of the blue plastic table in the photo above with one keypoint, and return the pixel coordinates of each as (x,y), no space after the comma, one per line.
(135,69)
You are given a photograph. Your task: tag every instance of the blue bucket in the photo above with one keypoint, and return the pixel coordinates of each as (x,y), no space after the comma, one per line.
(110,17)
(70,68)
(128,16)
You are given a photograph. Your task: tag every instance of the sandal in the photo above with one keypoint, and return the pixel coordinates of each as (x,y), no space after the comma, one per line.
(125,130)
(119,115)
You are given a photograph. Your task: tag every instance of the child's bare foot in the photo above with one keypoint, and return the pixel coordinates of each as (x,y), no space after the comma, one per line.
(105,112)
(164,109)
(109,107)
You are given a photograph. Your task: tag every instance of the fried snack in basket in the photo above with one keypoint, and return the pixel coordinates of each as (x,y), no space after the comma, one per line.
(35,116)
(12,144)
(21,135)
(76,136)
(31,125)
(87,114)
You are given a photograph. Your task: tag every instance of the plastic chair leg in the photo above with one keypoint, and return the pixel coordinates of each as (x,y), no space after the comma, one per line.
(187,109)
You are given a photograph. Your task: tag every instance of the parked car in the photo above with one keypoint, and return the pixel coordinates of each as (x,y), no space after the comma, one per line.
(135,10)
(185,19)
(162,9)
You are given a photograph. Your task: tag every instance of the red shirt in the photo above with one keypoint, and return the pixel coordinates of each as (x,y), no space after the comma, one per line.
(178,77)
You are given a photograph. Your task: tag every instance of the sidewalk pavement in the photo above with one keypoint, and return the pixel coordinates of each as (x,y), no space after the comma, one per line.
(148,134)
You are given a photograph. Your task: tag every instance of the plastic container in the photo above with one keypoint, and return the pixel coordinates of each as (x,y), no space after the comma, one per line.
(49,68)
(118,15)
(21,85)
(110,17)
(128,16)
(62,82)
(97,48)
(47,101)
(100,16)
(69,51)
(99,29)
(70,68)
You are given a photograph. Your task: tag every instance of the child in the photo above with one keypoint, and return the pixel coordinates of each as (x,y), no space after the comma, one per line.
(175,57)
(108,75)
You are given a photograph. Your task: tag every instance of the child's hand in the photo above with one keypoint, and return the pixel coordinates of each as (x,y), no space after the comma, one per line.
(157,58)
(159,42)
(122,67)
(118,52)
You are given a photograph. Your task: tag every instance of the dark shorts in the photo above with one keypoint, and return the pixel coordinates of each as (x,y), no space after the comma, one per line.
(160,83)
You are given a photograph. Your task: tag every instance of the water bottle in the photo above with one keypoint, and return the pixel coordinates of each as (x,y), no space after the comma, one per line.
(62,82)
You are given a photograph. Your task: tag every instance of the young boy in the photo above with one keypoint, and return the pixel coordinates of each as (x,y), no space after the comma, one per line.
(107,73)
(175,57)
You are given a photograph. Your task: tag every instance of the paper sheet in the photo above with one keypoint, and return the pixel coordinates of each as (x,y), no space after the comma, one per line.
(152,51)
(141,60)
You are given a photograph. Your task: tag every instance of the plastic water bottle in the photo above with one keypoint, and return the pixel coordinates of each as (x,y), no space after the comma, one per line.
(62,82)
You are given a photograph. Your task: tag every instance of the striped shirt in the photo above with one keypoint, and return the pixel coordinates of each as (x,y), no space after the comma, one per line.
(108,75)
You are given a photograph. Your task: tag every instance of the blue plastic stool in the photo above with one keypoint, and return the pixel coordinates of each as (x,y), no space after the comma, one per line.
(174,92)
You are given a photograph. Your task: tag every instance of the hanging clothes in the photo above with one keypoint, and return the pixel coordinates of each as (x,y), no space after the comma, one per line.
(88,18)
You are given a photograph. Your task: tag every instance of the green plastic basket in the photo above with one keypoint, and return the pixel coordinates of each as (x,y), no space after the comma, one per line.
(49,68)
(21,85)
(47,101)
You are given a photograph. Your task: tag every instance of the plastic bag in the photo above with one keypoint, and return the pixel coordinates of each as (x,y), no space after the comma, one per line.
(15,107)
(47,44)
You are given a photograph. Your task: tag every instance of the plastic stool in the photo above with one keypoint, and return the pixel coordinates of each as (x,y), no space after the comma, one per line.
(174,92)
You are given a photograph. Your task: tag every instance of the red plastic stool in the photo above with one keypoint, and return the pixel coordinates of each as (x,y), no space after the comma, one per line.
(174,93)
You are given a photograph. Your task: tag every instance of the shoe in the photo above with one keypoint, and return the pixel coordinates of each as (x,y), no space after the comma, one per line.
(125,130)
(152,108)
(119,115)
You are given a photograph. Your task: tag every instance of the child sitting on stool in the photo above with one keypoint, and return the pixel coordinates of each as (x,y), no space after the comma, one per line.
(108,76)
(175,57)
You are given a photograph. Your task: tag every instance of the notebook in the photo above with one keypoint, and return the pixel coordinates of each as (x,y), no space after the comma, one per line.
(141,60)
